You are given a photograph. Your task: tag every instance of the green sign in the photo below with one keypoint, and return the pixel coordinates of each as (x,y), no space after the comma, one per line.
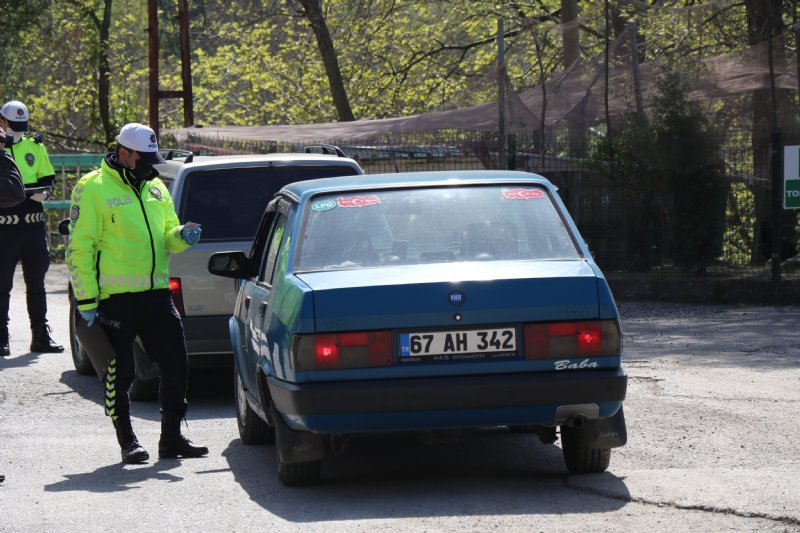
(792,192)
(791,177)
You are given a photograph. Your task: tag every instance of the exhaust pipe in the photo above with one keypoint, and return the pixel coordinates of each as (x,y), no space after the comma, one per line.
(576,422)
(576,415)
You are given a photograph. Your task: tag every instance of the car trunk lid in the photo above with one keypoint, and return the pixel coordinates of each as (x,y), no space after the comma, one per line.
(453,295)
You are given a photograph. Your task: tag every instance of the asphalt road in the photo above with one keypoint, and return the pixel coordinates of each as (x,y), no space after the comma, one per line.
(712,411)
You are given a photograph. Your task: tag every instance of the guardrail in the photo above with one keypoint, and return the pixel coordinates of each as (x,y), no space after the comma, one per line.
(69,168)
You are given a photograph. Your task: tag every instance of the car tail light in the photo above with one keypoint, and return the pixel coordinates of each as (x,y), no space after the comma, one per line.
(177,295)
(342,350)
(593,338)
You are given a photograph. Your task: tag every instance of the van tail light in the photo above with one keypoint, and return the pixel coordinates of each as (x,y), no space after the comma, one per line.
(593,338)
(177,295)
(335,351)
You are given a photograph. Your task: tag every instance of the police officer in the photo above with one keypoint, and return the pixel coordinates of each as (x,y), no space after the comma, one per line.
(12,192)
(23,231)
(123,226)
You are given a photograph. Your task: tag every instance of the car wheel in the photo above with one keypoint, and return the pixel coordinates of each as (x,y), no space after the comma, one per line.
(295,474)
(578,456)
(145,383)
(80,359)
(143,390)
(252,429)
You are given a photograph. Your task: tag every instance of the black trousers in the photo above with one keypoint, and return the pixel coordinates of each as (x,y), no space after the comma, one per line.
(26,243)
(152,316)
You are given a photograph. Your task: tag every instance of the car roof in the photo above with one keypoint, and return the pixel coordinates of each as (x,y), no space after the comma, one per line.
(302,189)
(252,160)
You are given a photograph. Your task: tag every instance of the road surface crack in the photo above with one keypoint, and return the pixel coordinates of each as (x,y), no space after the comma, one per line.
(789,520)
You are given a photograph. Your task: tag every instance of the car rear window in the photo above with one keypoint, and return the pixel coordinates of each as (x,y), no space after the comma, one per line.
(229,202)
(433,225)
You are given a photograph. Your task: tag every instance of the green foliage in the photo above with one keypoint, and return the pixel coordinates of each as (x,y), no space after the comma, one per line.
(628,162)
(691,164)
(60,79)
(670,177)
(257,62)
(738,238)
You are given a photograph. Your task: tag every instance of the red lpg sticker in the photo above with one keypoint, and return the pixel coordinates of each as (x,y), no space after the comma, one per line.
(358,201)
(522,194)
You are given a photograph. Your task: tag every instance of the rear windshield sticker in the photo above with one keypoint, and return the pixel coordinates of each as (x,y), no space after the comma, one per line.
(358,201)
(522,194)
(323,205)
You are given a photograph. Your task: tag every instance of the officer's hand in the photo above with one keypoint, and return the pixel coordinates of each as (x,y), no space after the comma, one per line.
(40,196)
(89,316)
(191,233)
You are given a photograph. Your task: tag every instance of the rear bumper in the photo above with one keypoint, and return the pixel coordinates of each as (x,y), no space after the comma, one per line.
(463,401)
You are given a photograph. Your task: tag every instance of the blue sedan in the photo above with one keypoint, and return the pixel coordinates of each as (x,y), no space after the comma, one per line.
(423,302)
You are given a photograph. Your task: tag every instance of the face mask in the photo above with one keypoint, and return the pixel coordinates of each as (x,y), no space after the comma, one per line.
(17,135)
(142,170)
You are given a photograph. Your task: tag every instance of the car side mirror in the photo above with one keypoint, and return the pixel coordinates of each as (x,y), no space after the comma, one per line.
(228,264)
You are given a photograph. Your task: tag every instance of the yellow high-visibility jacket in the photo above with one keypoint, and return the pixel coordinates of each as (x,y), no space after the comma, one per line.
(33,162)
(120,237)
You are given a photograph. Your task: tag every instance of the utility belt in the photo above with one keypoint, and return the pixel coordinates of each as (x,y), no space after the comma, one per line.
(27,218)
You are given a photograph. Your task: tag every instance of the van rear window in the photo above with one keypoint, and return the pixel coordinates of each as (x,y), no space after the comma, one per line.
(228,203)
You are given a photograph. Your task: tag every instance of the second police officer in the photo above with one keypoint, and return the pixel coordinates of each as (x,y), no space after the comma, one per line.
(23,231)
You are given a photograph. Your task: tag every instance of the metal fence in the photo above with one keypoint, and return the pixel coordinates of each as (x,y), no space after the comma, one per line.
(594,203)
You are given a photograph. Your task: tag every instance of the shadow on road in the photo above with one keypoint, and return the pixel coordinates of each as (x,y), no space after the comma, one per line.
(116,477)
(712,335)
(210,391)
(491,473)
(20,361)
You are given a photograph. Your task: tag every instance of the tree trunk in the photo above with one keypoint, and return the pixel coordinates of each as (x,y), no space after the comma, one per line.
(312,11)
(104,75)
(576,121)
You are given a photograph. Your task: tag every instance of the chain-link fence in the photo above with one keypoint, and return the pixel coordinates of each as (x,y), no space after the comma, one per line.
(598,206)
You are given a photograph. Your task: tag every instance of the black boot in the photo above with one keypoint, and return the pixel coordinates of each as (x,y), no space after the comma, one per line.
(172,443)
(41,341)
(4,347)
(132,451)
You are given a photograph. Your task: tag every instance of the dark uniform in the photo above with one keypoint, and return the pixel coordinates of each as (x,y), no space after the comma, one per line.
(12,192)
(24,237)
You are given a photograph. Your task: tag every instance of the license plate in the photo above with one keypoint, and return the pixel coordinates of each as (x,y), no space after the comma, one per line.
(458,345)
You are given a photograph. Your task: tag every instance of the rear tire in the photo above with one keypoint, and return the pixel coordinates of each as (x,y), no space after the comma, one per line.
(579,457)
(80,359)
(252,429)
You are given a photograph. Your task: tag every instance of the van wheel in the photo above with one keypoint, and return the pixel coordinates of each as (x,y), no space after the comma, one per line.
(80,358)
(578,456)
(252,429)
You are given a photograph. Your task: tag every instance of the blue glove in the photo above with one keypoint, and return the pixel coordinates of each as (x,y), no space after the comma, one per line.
(191,233)
(89,316)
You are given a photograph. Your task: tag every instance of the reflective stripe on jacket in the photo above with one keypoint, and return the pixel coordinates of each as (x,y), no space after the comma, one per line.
(36,170)
(120,237)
